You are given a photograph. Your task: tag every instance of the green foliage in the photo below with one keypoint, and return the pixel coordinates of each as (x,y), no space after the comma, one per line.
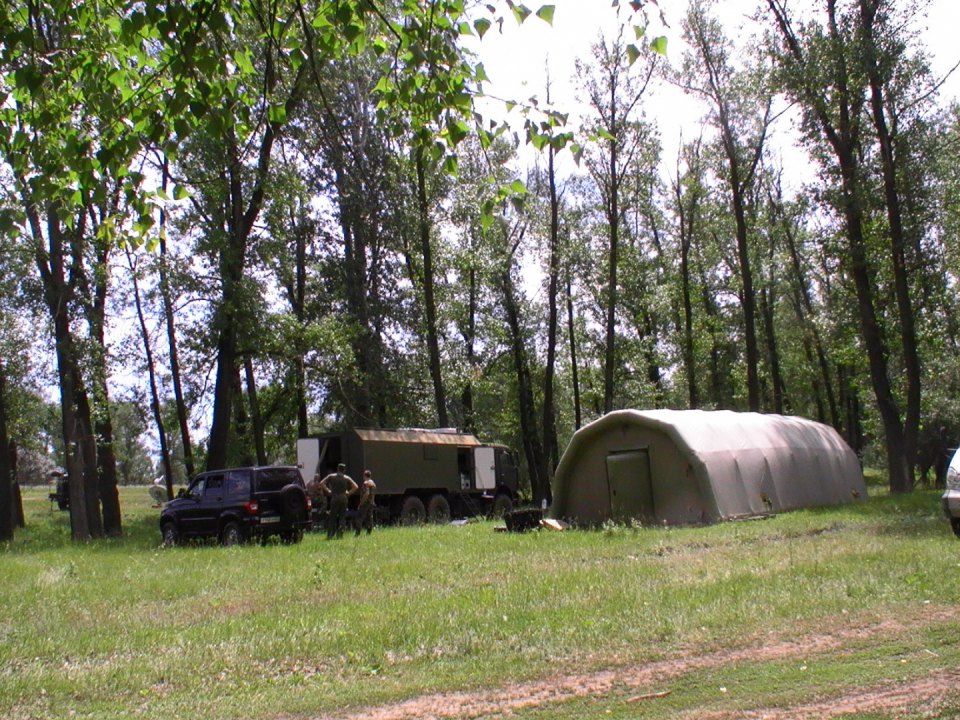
(134,464)
(87,90)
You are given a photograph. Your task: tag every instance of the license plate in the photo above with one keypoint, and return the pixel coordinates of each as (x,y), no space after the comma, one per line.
(266,520)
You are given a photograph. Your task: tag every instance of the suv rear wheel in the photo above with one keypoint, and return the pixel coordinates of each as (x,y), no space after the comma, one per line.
(232,534)
(955,524)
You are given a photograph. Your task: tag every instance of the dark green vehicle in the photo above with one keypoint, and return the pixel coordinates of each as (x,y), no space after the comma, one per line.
(421,475)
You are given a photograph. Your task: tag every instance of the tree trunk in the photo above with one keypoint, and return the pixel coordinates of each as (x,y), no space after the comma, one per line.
(429,302)
(107,470)
(183,416)
(90,468)
(574,370)
(550,449)
(19,521)
(719,389)
(155,406)
(908,335)
(740,178)
(103,425)
(778,388)
(849,398)
(79,453)
(223,389)
(528,417)
(299,301)
(803,305)
(749,301)
(470,340)
(242,216)
(255,417)
(843,137)
(7,509)
(354,260)
(687,228)
(613,219)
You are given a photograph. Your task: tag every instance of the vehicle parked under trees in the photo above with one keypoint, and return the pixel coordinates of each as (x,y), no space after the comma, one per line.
(237,505)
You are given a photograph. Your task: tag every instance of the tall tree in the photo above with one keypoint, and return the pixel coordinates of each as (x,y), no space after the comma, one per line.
(786,224)
(688,191)
(614,93)
(173,347)
(155,402)
(427,280)
(234,186)
(7,475)
(504,272)
(831,67)
(740,109)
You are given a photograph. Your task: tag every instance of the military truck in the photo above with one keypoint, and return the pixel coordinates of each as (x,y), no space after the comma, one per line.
(421,475)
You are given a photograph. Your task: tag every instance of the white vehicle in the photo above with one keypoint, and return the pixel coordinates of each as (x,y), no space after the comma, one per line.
(951,497)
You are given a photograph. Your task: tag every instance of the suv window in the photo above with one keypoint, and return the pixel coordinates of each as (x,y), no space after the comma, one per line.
(274,479)
(238,483)
(196,489)
(214,485)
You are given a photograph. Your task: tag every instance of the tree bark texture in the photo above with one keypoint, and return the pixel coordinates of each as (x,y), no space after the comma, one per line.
(7,509)
(429,301)
(528,416)
(183,416)
(155,406)
(574,367)
(889,170)
(550,444)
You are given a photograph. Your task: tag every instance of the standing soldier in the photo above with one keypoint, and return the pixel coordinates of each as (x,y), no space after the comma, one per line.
(365,510)
(339,486)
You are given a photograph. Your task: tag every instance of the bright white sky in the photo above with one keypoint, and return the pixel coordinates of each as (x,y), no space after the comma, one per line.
(517,59)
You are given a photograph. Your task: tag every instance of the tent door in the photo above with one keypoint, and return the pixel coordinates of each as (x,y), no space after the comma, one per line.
(631,490)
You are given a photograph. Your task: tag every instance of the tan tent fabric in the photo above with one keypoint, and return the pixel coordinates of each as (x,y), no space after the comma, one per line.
(689,466)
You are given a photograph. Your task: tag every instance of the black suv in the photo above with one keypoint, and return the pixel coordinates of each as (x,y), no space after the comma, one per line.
(238,504)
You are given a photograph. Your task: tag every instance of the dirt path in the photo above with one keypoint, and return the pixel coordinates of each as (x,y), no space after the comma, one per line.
(919,697)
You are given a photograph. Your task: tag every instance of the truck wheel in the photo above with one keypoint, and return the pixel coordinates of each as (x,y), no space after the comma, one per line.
(232,534)
(955,524)
(412,512)
(502,504)
(169,534)
(438,510)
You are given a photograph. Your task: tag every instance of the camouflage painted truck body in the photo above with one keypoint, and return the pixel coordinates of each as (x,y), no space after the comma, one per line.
(420,474)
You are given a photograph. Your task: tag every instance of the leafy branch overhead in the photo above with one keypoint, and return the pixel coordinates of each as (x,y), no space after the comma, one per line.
(85,92)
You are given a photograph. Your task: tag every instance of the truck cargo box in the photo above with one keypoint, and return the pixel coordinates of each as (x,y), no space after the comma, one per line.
(420,474)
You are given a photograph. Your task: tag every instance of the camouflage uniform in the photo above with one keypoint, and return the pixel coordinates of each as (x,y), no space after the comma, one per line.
(339,486)
(366,508)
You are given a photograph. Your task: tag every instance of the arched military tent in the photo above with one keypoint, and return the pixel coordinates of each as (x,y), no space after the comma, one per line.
(692,466)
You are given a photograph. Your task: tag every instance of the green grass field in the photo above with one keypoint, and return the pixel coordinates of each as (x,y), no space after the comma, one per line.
(790,614)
